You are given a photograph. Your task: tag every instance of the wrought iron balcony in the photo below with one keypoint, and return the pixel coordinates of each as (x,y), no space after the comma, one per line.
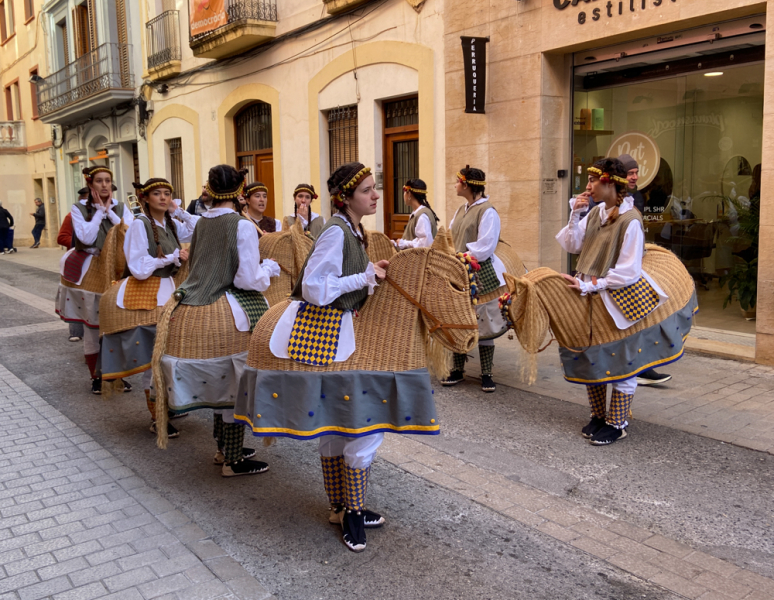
(162,35)
(337,6)
(12,135)
(249,24)
(96,81)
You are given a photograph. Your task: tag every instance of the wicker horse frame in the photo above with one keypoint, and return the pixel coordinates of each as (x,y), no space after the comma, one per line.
(390,331)
(107,267)
(542,299)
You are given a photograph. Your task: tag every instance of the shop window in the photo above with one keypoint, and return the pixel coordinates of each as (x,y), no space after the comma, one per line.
(401,160)
(175,146)
(698,138)
(253,133)
(7,27)
(342,136)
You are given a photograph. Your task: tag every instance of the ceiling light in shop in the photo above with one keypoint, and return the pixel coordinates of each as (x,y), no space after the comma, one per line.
(715,74)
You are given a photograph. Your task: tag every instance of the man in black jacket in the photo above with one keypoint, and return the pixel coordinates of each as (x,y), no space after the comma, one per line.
(6,222)
(40,222)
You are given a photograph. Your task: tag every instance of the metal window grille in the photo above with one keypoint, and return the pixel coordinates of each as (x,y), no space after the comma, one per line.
(176,166)
(253,128)
(342,136)
(401,113)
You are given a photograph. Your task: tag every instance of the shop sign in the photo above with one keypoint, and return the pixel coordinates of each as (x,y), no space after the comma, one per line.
(474,58)
(642,148)
(608,8)
(206,15)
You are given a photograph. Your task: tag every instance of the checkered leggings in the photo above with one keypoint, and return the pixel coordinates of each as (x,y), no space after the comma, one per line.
(620,405)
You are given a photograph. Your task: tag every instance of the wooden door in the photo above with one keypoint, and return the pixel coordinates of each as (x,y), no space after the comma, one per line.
(264,168)
(401,160)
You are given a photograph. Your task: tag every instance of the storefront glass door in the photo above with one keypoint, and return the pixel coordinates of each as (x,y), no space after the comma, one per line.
(698,140)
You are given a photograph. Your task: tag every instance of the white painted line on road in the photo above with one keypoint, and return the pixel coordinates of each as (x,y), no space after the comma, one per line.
(44,304)
(36,328)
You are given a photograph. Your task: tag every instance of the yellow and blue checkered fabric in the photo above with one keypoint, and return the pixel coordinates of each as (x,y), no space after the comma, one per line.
(333,478)
(357,485)
(620,404)
(597,400)
(314,338)
(636,301)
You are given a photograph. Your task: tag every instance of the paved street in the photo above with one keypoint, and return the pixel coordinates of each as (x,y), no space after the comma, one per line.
(508,502)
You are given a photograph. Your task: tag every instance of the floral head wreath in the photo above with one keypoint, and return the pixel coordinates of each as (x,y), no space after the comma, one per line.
(303,188)
(607,177)
(337,192)
(89,177)
(156,184)
(464,179)
(225,195)
(255,187)
(414,190)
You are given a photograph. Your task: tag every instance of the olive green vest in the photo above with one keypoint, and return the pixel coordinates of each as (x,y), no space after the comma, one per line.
(602,245)
(465,226)
(355,261)
(214,259)
(104,226)
(411,229)
(315,226)
(168,245)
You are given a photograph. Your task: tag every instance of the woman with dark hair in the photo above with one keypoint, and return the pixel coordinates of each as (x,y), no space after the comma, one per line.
(334,283)
(611,244)
(423,222)
(256,198)
(82,283)
(302,209)
(475,229)
(202,340)
(153,257)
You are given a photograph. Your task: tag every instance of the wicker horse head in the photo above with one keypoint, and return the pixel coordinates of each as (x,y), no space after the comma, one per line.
(422,308)
(584,328)
(288,249)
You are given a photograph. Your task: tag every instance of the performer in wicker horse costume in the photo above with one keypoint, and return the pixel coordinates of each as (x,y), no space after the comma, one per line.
(475,229)
(423,222)
(628,309)
(302,210)
(256,197)
(132,306)
(99,223)
(203,334)
(337,364)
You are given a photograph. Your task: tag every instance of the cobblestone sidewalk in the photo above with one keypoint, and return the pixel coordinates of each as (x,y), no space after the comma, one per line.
(76,524)
(726,400)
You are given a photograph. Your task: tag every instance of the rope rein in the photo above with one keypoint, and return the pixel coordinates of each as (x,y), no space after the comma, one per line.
(437,324)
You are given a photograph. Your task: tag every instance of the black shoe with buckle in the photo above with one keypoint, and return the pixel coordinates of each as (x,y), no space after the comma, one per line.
(652,378)
(607,435)
(594,425)
(371,519)
(487,383)
(353,524)
(244,467)
(454,378)
(220,458)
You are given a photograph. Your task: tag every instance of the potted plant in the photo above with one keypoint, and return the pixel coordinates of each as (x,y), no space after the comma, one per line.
(742,278)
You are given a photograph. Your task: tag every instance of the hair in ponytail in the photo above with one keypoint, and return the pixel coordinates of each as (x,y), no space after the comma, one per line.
(413,187)
(225,183)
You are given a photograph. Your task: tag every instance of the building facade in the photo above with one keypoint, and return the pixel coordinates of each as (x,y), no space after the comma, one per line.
(26,150)
(682,85)
(89,92)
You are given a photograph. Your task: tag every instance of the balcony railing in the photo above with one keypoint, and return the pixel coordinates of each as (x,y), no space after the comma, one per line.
(105,68)
(243,11)
(12,134)
(162,35)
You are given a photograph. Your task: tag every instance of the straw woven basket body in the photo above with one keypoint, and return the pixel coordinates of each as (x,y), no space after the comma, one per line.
(203,332)
(113,319)
(380,247)
(107,267)
(542,298)
(390,334)
(279,248)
